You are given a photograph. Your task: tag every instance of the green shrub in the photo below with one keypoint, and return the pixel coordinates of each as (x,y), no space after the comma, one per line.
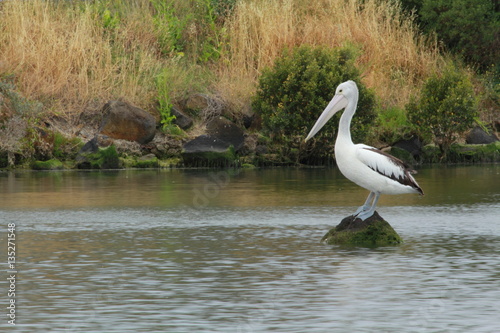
(446,107)
(292,94)
(470,28)
(392,125)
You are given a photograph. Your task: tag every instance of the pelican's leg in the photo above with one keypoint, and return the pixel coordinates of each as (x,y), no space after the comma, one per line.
(366,214)
(366,205)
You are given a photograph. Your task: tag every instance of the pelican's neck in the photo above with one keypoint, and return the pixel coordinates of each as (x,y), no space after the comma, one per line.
(344,134)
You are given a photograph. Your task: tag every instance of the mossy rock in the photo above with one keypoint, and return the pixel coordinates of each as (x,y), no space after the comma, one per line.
(104,158)
(207,151)
(474,153)
(373,231)
(145,162)
(170,162)
(248,166)
(210,159)
(463,153)
(52,164)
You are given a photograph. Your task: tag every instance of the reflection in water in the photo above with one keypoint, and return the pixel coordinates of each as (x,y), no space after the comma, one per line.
(235,188)
(134,251)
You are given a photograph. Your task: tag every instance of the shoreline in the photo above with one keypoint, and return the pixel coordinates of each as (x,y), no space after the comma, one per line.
(468,156)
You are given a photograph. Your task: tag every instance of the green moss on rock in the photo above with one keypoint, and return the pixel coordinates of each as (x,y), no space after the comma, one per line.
(248,166)
(225,158)
(147,161)
(463,153)
(374,231)
(104,158)
(170,162)
(52,164)
(460,153)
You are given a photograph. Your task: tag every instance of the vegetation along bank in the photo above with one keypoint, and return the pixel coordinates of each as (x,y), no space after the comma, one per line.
(216,83)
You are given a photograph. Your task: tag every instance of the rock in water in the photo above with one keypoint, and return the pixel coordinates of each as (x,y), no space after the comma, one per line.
(127,122)
(374,231)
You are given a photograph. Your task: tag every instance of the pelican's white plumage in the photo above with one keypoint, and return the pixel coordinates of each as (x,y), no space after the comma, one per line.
(368,167)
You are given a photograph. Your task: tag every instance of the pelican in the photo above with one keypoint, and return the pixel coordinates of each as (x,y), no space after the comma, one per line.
(368,167)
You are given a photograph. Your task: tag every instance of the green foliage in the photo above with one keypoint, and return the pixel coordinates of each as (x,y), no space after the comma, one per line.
(411,5)
(164,102)
(169,26)
(470,28)
(211,46)
(292,94)
(109,21)
(107,12)
(392,125)
(446,107)
(64,148)
(193,26)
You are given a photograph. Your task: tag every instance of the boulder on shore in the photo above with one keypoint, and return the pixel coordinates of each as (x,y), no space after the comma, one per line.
(127,122)
(208,151)
(478,136)
(225,130)
(217,147)
(412,146)
(181,119)
(374,231)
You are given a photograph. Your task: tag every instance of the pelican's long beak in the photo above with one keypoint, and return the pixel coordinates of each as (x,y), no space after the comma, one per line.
(337,103)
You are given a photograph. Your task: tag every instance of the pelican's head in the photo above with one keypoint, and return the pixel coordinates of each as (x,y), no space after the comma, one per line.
(345,92)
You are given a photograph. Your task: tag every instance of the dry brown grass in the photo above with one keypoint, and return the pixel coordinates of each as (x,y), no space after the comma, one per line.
(60,53)
(394,57)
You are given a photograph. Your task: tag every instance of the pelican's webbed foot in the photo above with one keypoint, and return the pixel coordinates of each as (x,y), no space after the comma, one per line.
(365,214)
(361,209)
(367,210)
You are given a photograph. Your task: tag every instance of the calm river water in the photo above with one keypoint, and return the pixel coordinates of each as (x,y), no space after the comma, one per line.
(239,251)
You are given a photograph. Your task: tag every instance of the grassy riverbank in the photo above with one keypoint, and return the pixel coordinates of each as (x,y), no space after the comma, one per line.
(60,61)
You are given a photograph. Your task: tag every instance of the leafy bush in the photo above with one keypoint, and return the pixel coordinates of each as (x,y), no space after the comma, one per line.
(392,125)
(292,94)
(446,107)
(470,28)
